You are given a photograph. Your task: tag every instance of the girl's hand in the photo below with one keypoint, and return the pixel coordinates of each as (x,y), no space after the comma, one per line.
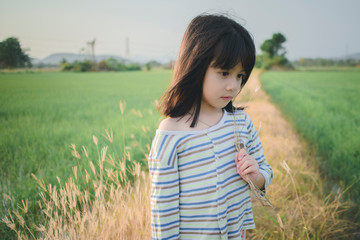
(246,165)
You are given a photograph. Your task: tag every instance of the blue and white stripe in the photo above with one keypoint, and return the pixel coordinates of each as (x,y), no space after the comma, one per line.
(196,191)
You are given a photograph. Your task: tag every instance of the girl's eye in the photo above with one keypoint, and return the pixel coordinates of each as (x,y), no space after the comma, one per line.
(224,74)
(240,76)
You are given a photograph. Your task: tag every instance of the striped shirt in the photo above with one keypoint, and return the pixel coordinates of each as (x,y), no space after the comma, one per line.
(196,191)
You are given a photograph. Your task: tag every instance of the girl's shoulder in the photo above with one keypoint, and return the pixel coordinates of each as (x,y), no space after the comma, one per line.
(170,124)
(179,125)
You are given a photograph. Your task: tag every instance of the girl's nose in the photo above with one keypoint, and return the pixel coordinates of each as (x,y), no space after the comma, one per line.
(233,84)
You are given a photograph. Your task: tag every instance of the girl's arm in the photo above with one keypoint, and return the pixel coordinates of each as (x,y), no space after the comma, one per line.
(165,188)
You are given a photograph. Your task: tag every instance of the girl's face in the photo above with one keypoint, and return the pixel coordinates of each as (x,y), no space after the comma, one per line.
(220,86)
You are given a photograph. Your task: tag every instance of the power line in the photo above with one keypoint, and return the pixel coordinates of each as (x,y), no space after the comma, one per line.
(46,46)
(43,41)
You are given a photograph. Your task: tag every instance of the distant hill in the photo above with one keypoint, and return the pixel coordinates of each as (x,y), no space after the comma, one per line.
(355,56)
(56,58)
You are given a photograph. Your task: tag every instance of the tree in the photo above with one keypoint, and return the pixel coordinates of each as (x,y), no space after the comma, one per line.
(148,66)
(112,64)
(11,54)
(274,45)
(273,53)
(102,66)
(133,67)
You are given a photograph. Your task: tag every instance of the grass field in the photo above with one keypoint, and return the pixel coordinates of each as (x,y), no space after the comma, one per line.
(325,109)
(99,194)
(42,114)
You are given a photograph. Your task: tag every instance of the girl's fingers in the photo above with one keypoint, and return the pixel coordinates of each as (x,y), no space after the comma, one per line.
(245,177)
(246,161)
(248,173)
(241,154)
(249,170)
(243,165)
(247,165)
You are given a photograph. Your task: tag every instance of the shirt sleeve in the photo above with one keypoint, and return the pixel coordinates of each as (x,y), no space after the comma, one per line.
(254,148)
(162,161)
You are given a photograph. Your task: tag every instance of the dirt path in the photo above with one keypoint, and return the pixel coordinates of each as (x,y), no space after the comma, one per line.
(301,208)
(278,137)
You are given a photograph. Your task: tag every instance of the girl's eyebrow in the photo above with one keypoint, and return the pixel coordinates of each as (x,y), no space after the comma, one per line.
(225,69)
(241,71)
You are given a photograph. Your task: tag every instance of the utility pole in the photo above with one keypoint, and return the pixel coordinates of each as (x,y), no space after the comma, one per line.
(92,47)
(127,52)
(81,51)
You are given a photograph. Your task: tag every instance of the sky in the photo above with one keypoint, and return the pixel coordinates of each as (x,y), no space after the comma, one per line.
(154,29)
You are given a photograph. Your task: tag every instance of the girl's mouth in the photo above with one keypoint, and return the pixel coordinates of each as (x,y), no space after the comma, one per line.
(227,98)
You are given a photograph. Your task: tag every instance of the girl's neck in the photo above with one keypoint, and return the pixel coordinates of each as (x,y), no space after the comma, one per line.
(209,118)
(211,114)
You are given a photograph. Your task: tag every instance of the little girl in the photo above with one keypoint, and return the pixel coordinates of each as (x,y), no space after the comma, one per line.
(199,180)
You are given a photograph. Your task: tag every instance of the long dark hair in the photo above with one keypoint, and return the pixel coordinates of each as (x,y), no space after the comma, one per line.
(209,39)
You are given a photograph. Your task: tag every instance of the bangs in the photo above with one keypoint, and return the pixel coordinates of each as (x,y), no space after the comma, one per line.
(231,50)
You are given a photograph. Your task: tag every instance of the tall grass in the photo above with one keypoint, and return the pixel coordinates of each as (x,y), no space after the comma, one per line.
(41,114)
(112,202)
(325,109)
(114,199)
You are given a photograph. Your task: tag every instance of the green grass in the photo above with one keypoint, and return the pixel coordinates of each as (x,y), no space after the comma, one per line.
(41,114)
(325,108)
(328,69)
